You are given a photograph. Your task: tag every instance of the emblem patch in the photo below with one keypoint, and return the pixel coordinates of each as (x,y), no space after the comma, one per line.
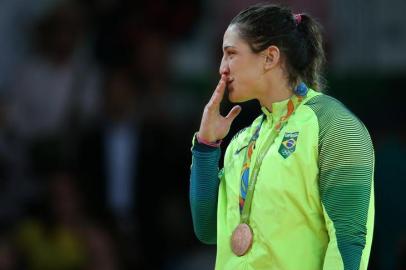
(288,145)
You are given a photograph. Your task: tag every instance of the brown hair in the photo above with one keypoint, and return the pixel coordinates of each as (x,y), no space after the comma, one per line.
(298,38)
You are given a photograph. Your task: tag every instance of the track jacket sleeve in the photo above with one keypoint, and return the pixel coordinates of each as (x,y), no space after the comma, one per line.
(204,185)
(346,165)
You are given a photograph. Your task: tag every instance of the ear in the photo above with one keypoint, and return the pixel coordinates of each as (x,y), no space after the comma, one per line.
(272,57)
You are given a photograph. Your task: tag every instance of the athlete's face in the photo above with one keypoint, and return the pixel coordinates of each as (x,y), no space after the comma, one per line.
(242,67)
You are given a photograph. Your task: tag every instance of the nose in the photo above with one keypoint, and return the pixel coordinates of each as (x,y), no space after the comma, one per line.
(224,68)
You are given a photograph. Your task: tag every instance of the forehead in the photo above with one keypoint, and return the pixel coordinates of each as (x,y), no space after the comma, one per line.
(232,38)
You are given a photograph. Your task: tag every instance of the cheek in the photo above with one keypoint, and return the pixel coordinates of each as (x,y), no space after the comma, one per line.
(247,77)
(243,70)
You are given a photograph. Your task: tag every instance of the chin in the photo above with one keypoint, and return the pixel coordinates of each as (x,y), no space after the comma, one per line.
(233,97)
(239,94)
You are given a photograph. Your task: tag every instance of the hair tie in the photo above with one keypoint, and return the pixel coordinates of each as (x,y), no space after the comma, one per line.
(298,18)
(301,89)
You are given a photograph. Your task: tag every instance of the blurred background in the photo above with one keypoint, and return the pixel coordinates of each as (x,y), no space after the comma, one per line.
(99,101)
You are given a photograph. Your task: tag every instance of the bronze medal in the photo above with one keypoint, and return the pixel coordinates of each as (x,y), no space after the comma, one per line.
(241,240)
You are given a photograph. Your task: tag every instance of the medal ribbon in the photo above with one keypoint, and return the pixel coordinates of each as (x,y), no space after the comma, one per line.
(247,185)
(245,171)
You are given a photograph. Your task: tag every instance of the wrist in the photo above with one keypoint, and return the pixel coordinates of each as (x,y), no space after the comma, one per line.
(208,143)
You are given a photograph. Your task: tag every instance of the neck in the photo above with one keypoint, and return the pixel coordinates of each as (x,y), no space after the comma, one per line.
(277,93)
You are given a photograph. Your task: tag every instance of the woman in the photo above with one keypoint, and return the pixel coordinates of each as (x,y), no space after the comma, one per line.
(296,190)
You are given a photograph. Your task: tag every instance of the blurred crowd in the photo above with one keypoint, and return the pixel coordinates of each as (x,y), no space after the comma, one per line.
(93,171)
(99,101)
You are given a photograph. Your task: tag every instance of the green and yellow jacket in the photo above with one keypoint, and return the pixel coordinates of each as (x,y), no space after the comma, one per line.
(313,205)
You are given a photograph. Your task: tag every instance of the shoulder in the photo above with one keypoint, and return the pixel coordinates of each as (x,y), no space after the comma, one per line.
(337,124)
(239,133)
(242,136)
(331,113)
(324,105)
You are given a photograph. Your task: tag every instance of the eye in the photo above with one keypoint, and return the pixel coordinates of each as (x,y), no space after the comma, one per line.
(230,53)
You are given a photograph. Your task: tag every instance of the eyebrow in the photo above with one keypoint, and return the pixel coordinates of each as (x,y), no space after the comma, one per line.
(227,46)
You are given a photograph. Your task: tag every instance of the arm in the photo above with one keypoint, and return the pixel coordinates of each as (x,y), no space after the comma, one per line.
(204,184)
(204,181)
(346,161)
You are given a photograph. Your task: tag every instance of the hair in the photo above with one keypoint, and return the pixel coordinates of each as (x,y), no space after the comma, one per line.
(300,42)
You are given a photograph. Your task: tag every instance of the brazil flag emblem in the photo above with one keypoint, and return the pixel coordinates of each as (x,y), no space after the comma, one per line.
(288,145)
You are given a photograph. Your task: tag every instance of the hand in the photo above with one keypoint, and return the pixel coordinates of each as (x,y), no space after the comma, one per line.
(214,126)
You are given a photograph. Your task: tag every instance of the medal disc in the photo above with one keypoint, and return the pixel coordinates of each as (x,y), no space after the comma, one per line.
(241,240)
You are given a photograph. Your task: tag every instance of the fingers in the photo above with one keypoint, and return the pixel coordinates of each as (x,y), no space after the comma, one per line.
(218,93)
(235,111)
